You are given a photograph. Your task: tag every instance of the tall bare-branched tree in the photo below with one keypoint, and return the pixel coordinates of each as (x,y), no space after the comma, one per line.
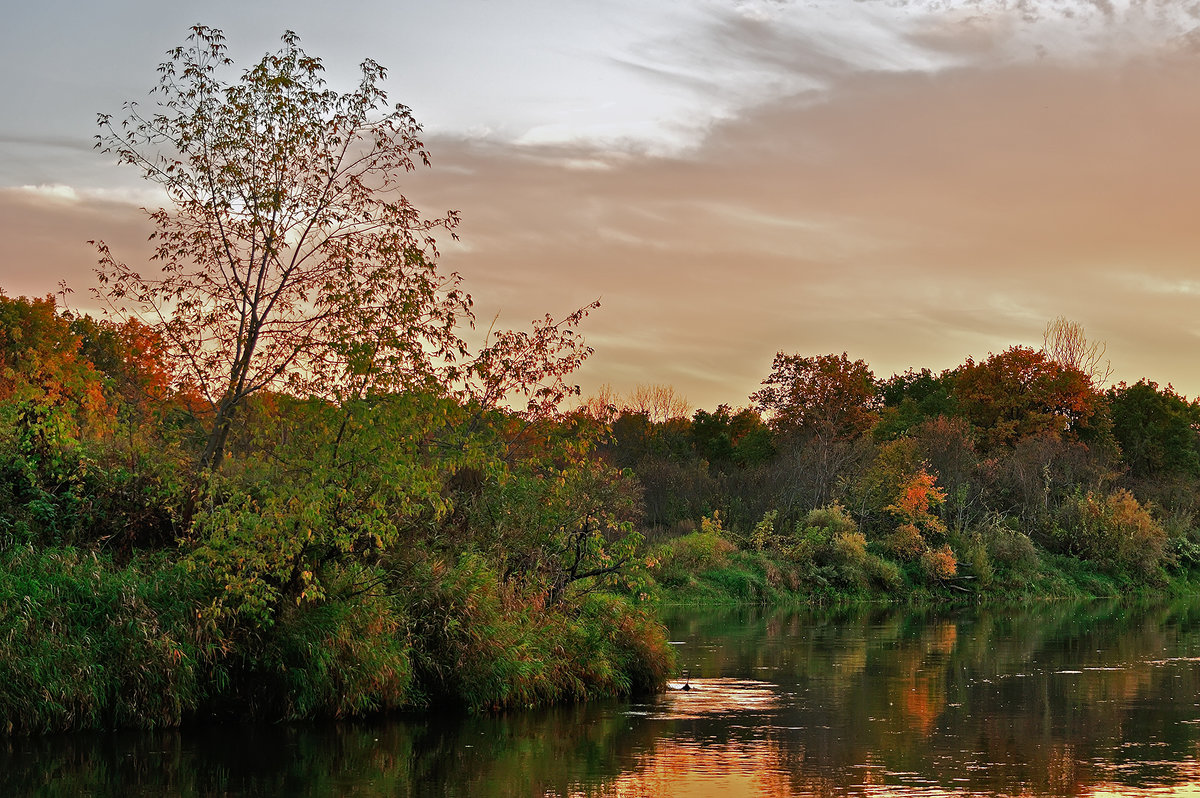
(1065,343)
(658,403)
(604,404)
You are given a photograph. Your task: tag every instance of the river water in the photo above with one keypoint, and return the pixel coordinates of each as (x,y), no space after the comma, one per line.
(1048,699)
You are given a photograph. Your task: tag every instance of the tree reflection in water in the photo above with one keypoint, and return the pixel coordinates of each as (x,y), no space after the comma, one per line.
(1052,699)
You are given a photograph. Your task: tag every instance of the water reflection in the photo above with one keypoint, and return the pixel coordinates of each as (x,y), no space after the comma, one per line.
(745,700)
(1054,699)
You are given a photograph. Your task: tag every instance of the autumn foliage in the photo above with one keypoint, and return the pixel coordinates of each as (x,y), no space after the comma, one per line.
(292,489)
(1023,392)
(827,395)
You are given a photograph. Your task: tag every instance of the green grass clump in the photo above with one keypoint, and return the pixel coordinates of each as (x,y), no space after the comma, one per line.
(86,645)
(345,657)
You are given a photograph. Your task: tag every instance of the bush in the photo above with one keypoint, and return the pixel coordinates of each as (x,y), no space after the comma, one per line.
(813,543)
(745,581)
(631,638)
(832,519)
(479,645)
(905,543)
(1007,547)
(763,536)
(345,657)
(683,557)
(832,548)
(1112,530)
(939,564)
(975,554)
(885,574)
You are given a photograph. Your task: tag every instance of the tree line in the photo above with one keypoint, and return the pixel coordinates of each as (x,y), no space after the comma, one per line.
(953,470)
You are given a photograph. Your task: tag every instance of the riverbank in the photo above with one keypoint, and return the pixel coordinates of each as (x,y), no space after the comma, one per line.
(712,566)
(934,699)
(89,643)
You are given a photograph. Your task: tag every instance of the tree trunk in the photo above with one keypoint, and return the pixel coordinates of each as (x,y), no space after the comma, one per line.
(214,448)
(210,461)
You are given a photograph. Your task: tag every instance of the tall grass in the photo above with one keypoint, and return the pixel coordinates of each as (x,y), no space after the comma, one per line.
(483,645)
(84,644)
(348,656)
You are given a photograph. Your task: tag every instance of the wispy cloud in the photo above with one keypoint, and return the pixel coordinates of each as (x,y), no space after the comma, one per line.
(145,196)
(910,218)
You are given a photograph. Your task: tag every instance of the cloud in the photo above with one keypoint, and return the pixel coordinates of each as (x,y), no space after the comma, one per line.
(55,193)
(910,182)
(721,60)
(144,196)
(44,234)
(912,219)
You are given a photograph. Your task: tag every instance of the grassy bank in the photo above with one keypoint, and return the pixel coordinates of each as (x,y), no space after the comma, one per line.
(86,643)
(827,560)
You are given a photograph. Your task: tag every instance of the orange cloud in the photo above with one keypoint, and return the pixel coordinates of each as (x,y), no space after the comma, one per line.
(910,215)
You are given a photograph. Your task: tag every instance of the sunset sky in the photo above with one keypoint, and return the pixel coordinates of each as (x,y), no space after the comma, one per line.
(910,182)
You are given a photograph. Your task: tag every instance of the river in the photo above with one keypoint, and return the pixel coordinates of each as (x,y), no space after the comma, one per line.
(1053,698)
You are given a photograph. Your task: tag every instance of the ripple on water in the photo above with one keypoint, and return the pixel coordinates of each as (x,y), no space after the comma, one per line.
(724,696)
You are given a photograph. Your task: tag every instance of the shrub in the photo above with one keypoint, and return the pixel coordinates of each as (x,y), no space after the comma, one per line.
(885,574)
(631,638)
(1113,530)
(1004,546)
(980,563)
(848,555)
(344,657)
(478,644)
(832,519)
(850,548)
(813,539)
(830,547)
(905,543)
(939,564)
(742,580)
(763,535)
(680,558)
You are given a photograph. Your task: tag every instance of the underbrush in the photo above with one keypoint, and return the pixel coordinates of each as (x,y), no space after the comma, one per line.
(87,643)
(825,558)
(483,645)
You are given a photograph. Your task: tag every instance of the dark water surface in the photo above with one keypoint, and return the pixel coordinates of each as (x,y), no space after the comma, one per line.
(1049,699)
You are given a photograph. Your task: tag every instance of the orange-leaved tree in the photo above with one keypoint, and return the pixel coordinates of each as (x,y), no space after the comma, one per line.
(818,407)
(42,366)
(829,396)
(1022,392)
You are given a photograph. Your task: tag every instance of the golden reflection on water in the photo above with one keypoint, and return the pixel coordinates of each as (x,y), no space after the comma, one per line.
(925,710)
(718,697)
(690,770)
(761,768)
(679,766)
